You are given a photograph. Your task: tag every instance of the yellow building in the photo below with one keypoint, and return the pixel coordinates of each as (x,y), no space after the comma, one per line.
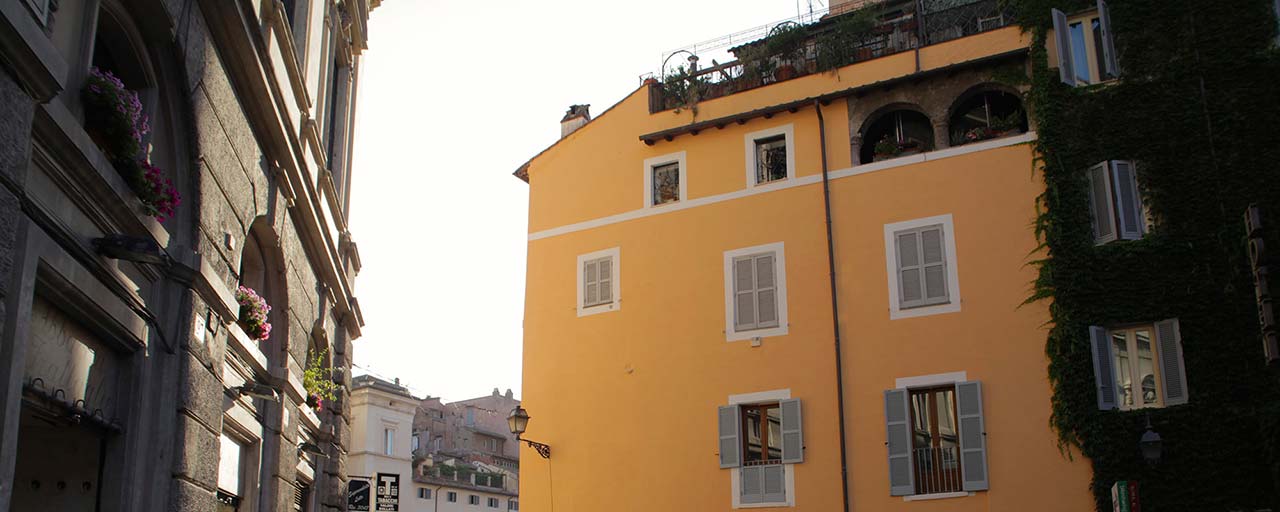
(684,264)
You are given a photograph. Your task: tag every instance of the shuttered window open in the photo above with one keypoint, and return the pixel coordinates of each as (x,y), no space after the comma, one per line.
(792,431)
(730,425)
(922,267)
(973,435)
(1103,367)
(898,441)
(1115,202)
(1101,207)
(1128,205)
(1062,38)
(1172,369)
(755,292)
(1110,63)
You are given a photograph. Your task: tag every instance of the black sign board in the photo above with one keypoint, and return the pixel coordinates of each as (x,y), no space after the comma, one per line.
(358,495)
(388,492)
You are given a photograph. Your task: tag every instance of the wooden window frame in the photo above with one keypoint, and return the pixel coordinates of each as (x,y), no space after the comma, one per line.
(1131,347)
(763,408)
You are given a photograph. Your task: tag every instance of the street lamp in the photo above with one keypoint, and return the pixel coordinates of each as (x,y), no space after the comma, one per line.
(518,420)
(1151,445)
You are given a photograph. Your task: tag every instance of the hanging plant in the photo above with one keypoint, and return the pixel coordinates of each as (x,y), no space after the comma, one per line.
(253,313)
(316,381)
(114,118)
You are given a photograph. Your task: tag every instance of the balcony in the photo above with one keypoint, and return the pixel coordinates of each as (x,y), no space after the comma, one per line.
(937,469)
(822,41)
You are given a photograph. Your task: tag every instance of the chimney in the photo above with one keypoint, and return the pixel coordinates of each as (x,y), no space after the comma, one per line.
(397,381)
(509,395)
(577,116)
(495,391)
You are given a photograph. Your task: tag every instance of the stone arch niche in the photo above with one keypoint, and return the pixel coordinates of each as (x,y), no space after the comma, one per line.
(262,269)
(903,125)
(986,111)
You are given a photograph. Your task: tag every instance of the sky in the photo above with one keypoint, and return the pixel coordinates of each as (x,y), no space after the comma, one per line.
(453,96)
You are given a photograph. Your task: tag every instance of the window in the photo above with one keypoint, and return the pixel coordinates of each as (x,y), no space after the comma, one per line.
(1085,47)
(894,134)
(40,8)
(493,502)
(301,496)
(389,440)
(758,440)
(755,292)
(231,472)
(424,493)
(935,438)
(1115,202)
(471,416)
(921,264)
(414,442)
(986,115)
(1139,366)
(598,286)
(473,500)
(513,505)
(664,179)
(452,497)
(770,155)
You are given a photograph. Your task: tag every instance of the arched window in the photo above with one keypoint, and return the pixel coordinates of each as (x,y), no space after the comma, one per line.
(896,133)
(986,115)
(257,274)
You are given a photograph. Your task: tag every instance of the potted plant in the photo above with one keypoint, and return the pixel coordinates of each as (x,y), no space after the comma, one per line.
(114,120)
(253,313)
(1007,125)
(317,381)
(886,148)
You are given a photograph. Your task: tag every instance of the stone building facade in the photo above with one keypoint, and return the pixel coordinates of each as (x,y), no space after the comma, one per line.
(129,379)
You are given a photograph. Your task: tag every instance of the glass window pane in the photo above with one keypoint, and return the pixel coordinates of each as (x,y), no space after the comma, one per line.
(1124,378)
(774,417)
(1146,367)
(751,434)
(1078,51)
(1098,58)
(771,159)
(666,183)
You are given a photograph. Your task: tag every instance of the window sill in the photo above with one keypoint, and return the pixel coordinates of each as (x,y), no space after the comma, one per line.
(780,504)
(938,496)
(768,332)
(602,308)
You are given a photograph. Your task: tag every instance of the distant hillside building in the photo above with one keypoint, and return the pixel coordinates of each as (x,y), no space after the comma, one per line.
(465,454)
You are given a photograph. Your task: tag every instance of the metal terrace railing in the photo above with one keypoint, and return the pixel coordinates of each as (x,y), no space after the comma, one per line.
(830,40)
(937,469)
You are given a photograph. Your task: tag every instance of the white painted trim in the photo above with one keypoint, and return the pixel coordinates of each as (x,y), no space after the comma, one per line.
(650,163)
(924,381)
(782,185)
(788,132)
(938,496)
(891,267)
(735,474)
(615,254)
(780,275)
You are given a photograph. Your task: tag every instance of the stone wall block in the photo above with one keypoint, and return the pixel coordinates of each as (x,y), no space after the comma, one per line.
(201,392)
(197,458)
(17,109)
(187,497)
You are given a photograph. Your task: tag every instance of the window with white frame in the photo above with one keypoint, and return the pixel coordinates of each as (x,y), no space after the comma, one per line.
(1139,366)
(1086,50)
(664,180)
(232,472)
(935,436)
(473,500)
(1115,202)
(770,155)
(755,292)
(493,502)
(451,497)
(921,265)
(759,437)
(598,282)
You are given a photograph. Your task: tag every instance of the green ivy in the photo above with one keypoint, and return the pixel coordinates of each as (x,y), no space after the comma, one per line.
(1198,109)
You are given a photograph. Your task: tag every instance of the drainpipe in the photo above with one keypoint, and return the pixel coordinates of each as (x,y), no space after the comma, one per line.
(835,308)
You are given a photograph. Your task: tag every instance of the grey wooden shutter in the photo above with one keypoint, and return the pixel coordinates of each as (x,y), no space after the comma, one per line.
(973,436)
(744,297)
(590,285)
(910,273)
(1172,370)
(752,489)
(766,291)
(1103,367)
(605,281)
(1128,200)
(898,438)
(934,264)
(1062,36)
(730,422)
(792,431)
(1109,61)
(1100,205)
(773,484)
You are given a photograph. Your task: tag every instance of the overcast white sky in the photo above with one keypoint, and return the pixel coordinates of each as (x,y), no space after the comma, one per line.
(454,96)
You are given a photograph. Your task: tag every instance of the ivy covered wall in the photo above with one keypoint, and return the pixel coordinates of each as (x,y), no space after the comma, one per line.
(1198,108)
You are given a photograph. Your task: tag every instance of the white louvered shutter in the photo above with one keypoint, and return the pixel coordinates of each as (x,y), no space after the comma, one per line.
(590,283)
(1062,37)
(973,436)
(1103,367)
(792,431)
(898,440)
(605,282)
(766,292)
(934,264)
(773,483)
(730,427)
(744,296)
(910,271)
(1110,63)
(1101,208)
(1172,370)
(1128,200)
(752,490)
